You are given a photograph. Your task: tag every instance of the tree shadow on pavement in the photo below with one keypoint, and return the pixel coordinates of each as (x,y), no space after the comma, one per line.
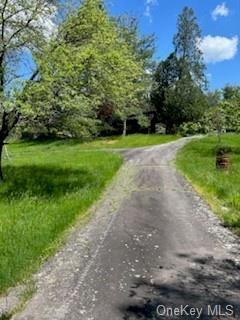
(205,281)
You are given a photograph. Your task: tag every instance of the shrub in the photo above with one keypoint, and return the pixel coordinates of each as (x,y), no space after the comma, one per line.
(221,150)
(190,128)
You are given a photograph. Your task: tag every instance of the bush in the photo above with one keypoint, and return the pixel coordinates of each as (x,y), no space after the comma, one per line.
(190,128)
(223,118)
(222,150)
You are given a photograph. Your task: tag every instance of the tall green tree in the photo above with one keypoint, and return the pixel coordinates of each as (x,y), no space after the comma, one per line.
(231,93)
(214,98)
(178,92)
(142,48)
(25,26)
(186,45)
(88,67)
(165,77)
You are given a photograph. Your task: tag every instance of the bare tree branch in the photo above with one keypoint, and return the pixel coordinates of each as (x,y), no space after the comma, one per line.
(3,20)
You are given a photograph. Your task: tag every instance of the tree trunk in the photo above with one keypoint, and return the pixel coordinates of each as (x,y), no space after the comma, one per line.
(1,154)
(169,128)
(9,121)
(124,128)
(153,126)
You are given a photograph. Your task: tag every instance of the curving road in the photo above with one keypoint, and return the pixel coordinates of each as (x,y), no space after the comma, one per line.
(151,244)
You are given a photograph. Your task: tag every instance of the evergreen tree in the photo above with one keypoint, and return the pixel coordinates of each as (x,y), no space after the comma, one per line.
(165,77)
(186,44)
(178,93)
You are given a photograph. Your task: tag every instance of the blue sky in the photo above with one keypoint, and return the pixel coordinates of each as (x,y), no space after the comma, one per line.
(219,22)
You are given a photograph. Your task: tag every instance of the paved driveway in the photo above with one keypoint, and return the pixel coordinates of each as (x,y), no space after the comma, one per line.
(152,245)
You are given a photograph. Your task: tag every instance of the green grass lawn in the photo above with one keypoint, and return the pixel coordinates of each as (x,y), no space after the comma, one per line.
(115,142)
(222,190)
(49,186)
(44,193)
(131,141)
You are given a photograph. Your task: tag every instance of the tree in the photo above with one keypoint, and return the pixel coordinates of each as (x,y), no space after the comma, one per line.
(214,98)
(186,44)
(223,114)
(142,48)
(85,69)
(185,102)
(165,77)
(24,27)
(231,93)
(178,93)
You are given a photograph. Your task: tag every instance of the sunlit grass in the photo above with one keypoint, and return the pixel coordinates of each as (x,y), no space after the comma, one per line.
(44,193)
(197,161)
(131,141)
(115,142)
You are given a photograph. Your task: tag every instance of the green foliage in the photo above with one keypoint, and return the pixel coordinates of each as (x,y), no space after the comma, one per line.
(223,118)
(197,161)
(143,47)
(190,128)
(178,93)
(214,98)
(165,77)
(25,26)
(185,101)
(143,121)
(89,66)
(186,44)
(231,93)
(223,149)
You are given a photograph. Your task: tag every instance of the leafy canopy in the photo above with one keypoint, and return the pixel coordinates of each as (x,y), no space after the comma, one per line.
(88,66)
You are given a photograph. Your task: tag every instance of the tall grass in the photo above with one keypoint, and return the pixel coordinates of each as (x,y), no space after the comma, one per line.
(48,187)
(222,190)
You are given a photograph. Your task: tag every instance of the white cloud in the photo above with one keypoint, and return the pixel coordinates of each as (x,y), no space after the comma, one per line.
(152,2)
(216,49)
(148,7)
(221,10)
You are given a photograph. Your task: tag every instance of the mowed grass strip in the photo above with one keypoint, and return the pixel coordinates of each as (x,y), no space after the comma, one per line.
(222,190)
(114,142)
(131,141)
(46,191)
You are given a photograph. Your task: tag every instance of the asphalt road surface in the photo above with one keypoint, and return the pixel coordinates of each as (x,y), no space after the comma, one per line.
(152,245)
